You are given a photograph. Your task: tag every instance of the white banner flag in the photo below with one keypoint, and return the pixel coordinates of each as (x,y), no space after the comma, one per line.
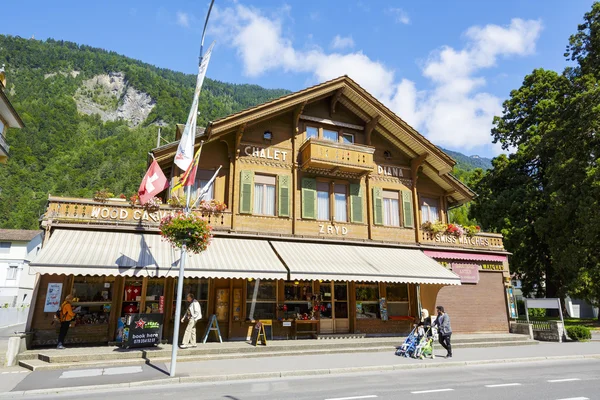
(205,191)
(185,151)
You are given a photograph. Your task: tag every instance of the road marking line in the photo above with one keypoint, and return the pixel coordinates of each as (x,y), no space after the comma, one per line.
(84,373)
(564,380)
(432,391)
(503,385)
(576,398)
(370,396)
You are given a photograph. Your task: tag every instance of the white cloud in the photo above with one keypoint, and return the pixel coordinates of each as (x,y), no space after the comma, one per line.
(455,112)
(340,42)
(183,19)
(400,16)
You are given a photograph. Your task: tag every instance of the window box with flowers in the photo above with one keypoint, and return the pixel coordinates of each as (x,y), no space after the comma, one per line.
(450,229)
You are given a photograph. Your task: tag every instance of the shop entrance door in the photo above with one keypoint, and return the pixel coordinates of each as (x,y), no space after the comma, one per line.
(334,296)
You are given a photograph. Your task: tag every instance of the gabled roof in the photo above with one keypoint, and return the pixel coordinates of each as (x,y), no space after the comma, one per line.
(437,165)
(19,235)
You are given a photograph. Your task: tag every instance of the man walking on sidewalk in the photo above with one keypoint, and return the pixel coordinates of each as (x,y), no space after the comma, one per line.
(445,331)
(193,314)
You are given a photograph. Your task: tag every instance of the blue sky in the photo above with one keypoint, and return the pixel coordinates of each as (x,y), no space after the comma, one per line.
(445,67)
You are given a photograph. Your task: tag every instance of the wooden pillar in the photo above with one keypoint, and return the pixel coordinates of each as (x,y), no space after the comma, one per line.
(352,305)
(230,321)
(118,291)
(144,291)
(415,164)
(369,205)
(295,133)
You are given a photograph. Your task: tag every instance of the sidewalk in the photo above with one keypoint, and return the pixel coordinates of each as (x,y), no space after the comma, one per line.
(282,366)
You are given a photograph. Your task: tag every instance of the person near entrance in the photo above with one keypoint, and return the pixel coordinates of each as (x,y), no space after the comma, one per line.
(445,331)
(193,315)
(65,318)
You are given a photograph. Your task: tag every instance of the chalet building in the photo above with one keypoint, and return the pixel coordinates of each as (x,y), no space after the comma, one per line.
(8,117)
(326,192)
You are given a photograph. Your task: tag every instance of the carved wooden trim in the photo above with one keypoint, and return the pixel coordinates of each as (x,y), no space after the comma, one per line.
(370,126)
(297,113)
(331,122)
(334,99)
(238,139)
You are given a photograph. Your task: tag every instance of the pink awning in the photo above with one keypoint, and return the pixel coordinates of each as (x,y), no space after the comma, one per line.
(451,255)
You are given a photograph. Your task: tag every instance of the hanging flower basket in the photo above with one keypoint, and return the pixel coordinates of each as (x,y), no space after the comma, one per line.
(189,230)
(153,204)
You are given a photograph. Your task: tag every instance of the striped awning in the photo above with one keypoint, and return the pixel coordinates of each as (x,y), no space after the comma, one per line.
(455,255)
(312,261)
(87,252)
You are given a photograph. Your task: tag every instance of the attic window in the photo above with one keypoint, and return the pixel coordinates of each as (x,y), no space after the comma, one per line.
(387,154)
(267,135)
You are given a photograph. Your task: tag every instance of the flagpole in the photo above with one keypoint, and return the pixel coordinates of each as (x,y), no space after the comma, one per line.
(183,248)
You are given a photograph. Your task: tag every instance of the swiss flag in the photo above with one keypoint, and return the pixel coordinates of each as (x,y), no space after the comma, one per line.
(153,183)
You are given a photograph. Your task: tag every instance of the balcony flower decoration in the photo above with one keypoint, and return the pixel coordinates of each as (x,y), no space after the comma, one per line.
(176,202)
(134,200)
(190,230)
(103,195)
(450,229)
(212,207)
(153,204)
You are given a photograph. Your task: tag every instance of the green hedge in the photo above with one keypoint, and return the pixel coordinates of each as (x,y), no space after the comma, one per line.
(579,333)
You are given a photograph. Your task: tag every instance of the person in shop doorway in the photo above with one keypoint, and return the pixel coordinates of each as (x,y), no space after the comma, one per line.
(193,315)
(66,317)
(444,329)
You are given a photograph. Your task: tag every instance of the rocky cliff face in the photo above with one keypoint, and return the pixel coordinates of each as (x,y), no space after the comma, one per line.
(111,97)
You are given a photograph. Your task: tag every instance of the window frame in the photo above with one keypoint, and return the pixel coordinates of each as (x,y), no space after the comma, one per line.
(342,135)
(264,202)
(337,135)
(203,175)
(389,196)
(249,294)
(306,136)
(5,247)
(423,203)
(375,302)
(320,183)
(13,272)
(392,302)
(347,196)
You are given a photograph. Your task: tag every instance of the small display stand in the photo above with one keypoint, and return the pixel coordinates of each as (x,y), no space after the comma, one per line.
(258,334)
(213,326)
(142,330)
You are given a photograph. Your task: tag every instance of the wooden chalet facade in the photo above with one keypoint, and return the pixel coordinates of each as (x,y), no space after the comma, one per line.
(326,192)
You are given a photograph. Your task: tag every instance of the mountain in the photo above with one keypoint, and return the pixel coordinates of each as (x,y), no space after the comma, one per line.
(469,163)
(91,116)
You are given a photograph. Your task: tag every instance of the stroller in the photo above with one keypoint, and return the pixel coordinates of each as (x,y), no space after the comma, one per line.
(424,347)
(410,344)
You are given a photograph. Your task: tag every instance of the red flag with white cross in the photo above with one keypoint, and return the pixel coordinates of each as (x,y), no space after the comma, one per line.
(153,183)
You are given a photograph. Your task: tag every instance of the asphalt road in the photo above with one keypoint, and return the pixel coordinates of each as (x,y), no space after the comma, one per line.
(550,380)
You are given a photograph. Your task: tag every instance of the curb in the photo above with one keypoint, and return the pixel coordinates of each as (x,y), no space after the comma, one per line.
(286,374)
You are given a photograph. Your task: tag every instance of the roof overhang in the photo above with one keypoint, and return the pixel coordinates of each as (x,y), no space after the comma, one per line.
(9,114)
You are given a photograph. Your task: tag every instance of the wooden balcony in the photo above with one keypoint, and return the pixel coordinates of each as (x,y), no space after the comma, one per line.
(334,156)
(117,213)
(481,241)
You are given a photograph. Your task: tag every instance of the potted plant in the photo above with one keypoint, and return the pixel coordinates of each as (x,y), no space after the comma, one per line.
(212,207)
(152,205)
(190,230)
(176,202)
(103,195)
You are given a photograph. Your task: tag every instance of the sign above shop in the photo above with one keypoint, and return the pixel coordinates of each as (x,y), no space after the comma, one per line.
(269,153)
(391,170)
(470,241)
(469,273)
(493,267)
(332,230)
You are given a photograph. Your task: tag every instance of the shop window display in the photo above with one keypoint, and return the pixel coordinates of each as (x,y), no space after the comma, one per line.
(261,299)
(199,288)
(367,301)
(92,299)
(298,298)
(397,299)
(132,298)
(155,296)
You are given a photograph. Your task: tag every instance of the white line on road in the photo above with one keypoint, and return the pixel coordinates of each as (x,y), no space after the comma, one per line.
(122,370)
(370,396)
(576,398)
(564,380)
(432,391)
(84,373)
(503,385)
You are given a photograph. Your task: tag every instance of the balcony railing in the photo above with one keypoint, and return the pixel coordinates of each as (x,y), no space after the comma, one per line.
(482,241)
(325,154)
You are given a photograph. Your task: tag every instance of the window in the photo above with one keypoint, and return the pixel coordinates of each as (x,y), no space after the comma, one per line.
(93,299)
(203,176)
(429,210)
(367,301)
(323,201)
(4,247)
(397,299)
(348,138)
(330,135)
(197,287)
(12,272)
(340,197)
(264,195)
(261,299)
(391,208)
(311,132)
(298,298)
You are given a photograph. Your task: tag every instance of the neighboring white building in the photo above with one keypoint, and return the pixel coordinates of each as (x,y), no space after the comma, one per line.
(17,248)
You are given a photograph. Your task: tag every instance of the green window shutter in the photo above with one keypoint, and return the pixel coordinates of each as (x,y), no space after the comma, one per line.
(356,203)
(309,198)
(283,185)
(246,186)
(377,206)
(407,209)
